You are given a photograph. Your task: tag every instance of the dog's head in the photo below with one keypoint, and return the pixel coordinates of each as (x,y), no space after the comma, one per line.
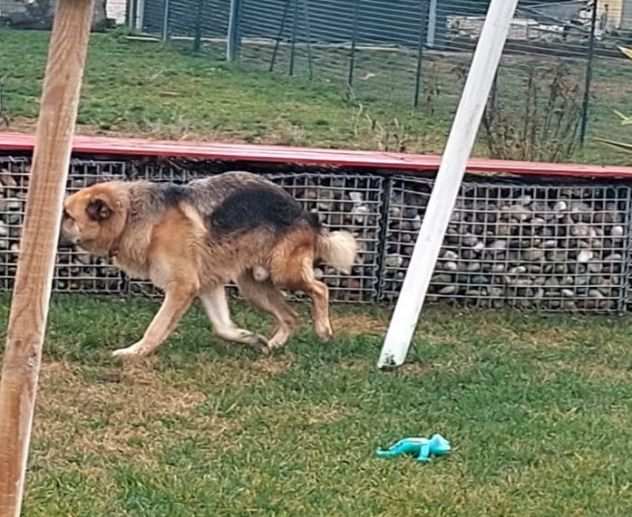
(95,217)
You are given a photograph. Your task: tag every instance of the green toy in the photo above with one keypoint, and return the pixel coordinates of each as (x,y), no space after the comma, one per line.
(422,448)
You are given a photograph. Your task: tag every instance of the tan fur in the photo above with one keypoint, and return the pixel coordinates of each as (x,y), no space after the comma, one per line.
(171,243)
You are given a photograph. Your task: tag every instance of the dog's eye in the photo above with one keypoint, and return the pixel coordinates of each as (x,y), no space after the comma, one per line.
(67,215)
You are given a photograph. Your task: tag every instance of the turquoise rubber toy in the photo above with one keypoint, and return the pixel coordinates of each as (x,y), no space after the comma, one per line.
(422,448)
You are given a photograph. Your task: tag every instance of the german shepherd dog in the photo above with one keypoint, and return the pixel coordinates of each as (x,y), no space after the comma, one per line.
(190,240)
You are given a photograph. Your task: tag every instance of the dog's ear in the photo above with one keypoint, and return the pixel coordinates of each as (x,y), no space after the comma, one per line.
(98,209)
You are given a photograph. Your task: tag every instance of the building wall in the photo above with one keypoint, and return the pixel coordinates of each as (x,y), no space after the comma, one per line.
(614,10)
(626,14)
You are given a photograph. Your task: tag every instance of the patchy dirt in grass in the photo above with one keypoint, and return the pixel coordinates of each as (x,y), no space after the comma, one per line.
(80,415)
(354,324)
(273,366)
(415,368)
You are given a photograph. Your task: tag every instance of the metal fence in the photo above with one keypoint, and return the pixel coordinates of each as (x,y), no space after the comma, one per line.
(561,66)
(548,246)
(561,62)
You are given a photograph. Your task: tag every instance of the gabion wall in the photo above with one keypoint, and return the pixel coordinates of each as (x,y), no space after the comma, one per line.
(551,247)
(351,201)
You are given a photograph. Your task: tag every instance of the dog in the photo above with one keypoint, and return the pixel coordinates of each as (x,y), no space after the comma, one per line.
(190,240)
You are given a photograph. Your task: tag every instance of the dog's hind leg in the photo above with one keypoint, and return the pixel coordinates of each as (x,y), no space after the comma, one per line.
(270,299)
(178,299)
(319,293)
(216,307)
(297,273)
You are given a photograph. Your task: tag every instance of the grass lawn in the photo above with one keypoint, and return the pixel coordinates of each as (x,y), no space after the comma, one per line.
(147,89)
(537,409)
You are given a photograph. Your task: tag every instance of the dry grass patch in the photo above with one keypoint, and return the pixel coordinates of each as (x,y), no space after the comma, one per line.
(357,323)
(125,417)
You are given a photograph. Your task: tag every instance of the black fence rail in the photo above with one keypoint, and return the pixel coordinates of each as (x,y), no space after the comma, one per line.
(555,246)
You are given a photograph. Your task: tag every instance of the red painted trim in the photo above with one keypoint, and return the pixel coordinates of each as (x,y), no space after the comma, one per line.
(268,154)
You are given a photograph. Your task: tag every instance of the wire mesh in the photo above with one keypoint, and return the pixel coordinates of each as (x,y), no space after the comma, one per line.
(351,202)
(546,247)
(75,271)
(13,177)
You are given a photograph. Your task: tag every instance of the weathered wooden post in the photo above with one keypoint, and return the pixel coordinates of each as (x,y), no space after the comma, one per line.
(31,294)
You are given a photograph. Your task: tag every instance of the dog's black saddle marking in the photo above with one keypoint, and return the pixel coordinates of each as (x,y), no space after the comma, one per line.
(258,206)
(172,194)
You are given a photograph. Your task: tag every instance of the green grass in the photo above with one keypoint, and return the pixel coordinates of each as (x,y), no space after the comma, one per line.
(147,89)
(141,88)
(537,409)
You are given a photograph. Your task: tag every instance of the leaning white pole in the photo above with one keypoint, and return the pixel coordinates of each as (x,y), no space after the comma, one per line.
(457,152)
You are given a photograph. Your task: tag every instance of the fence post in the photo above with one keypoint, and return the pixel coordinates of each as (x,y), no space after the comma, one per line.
(165,21)
(233,40)
(197,39)
(354,37)
(293,43)
(286,8)
(308,29)
(589,74)
(132,15)
(420,49)
(128,14)
(432,23)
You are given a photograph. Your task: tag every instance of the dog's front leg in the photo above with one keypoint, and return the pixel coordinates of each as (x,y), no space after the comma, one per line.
(177,300)
(216,307)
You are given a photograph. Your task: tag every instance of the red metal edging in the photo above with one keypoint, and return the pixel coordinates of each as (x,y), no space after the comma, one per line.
(270,154)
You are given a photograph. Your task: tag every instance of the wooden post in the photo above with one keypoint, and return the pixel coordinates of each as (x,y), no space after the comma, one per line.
(31,294)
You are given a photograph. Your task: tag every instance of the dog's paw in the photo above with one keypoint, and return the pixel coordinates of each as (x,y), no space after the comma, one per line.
(130,352)
(324,332)
(259,343)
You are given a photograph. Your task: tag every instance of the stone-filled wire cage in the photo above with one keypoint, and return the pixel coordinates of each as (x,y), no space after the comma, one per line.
(555,246)
(351,202)
(552,247)
(343,201)
(75,271)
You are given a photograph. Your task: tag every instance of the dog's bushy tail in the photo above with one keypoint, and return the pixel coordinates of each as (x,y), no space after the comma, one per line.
(337,249)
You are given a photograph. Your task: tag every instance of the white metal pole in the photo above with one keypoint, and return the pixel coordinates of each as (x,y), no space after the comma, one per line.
(457,152)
